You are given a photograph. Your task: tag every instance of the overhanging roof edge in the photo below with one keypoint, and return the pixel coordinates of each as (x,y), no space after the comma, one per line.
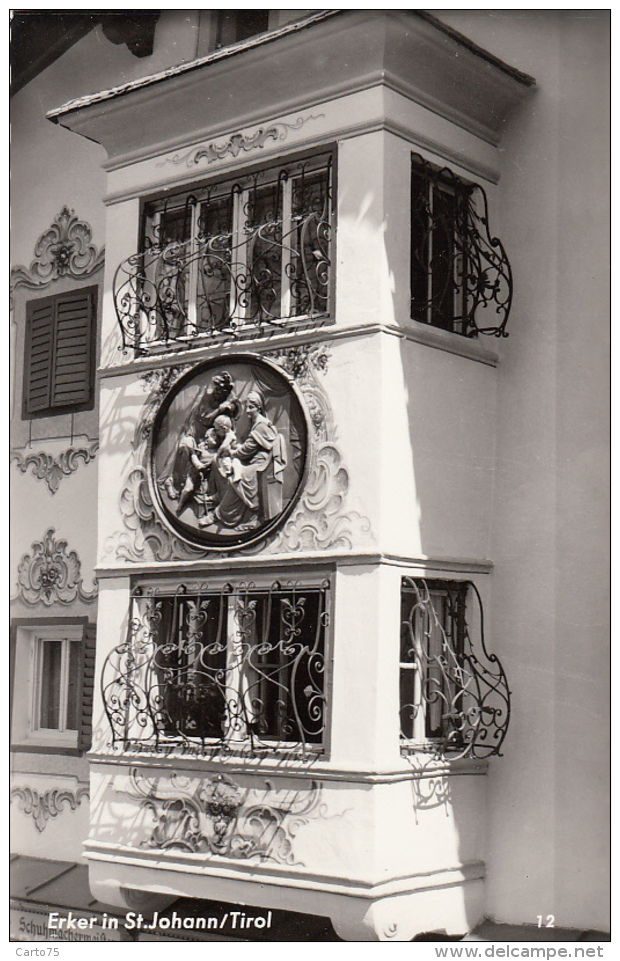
(261,40)
(175,71)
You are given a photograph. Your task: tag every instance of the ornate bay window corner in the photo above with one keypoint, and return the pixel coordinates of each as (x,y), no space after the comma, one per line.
(244,255)
(454,696)
(461,279)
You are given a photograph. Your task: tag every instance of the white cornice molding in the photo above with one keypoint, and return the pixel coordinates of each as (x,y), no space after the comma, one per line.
(419,565)
(414,332)
(415,767)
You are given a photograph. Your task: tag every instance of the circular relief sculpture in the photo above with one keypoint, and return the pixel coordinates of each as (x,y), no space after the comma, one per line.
(228,452)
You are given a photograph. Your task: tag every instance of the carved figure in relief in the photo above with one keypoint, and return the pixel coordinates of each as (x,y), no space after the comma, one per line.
(228,451)
(249,480)
(181,477)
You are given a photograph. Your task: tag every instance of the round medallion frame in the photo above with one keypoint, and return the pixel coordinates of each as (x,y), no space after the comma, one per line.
(289,405)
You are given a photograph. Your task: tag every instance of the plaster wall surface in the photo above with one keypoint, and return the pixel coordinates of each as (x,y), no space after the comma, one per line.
(50,166)
(549,796)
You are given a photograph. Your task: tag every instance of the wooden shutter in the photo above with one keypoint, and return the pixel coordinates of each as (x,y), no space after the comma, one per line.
(39,355)
(59,357)
(88,683)
(72,381)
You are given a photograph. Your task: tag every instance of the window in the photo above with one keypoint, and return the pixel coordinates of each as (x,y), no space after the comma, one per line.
(59,360)
(237,255)
(453,694)
(236,25)
(438,257)
(54,670)
(461,279)
(233,667)
(432,641)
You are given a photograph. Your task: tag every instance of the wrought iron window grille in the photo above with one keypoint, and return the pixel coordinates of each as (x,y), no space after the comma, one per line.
(248,255)
(454,696)
(461,279)
(237,669)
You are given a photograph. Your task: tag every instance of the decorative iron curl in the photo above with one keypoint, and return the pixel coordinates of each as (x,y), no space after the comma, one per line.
(236,667)
(464,679)
(265,273)
(464,269)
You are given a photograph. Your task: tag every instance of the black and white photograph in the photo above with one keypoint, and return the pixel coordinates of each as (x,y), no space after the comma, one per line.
(310,456)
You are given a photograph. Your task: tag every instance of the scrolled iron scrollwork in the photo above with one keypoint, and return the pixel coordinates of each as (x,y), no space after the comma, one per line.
(455,698)
(461,279)
(255,257)
(237,669)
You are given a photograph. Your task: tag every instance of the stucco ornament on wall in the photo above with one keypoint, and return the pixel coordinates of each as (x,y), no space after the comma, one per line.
(43,806)
(319,520)
(239,142)
(216,816)
(50,574)
(65,248)
(52,468)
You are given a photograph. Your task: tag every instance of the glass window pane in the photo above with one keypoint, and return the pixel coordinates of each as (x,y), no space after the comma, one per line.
(51,673)
(215,299)
(73,686)
(264,252)
(308,241)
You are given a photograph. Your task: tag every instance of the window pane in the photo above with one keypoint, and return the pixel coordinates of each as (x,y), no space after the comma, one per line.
(264,252)
(442,264)
(215,295)
(420,233)
(309,239)
(171,232)
(284,672)
(188,690)
(73,708)
(51,673)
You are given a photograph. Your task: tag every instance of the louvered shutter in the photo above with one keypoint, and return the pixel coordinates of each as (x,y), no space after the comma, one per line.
(72,373)
(39,355)
(88,684)
(59,357)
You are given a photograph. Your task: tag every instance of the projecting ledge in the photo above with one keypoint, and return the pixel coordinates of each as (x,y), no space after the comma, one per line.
(415,767)
(397,910)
